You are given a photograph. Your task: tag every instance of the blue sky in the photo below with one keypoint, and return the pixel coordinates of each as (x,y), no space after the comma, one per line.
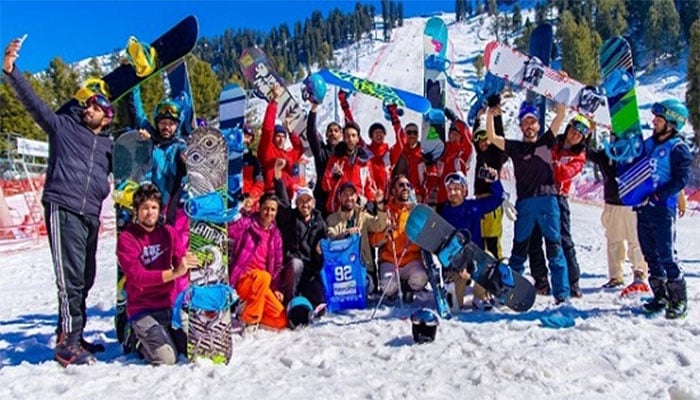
(74,30)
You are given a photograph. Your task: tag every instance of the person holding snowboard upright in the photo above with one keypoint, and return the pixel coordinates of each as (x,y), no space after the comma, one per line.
(656,216)
(77,181)
(534,182)
(153,257)
(322,152)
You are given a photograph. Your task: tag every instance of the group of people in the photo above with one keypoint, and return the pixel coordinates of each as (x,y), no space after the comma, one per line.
(365,189)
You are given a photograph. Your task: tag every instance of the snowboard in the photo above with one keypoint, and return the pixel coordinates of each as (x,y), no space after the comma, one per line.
(529,72)
(437,285)
(169,48)
(343,274)
(432,233)
(181,91)
(232,104)
(208,330)
(260,73)
(388,94)
(490,86)
(434,79)
(131,165)
(634,169)
(540,46)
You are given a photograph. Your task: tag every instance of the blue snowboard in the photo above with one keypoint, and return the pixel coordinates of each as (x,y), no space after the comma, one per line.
(232,105)
(454,250)
(540,46)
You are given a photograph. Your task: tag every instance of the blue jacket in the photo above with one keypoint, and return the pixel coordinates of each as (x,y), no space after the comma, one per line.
(671,161)
(77,177)
(468,215)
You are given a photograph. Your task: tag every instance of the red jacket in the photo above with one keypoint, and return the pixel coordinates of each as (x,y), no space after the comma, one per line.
(567,164)
(268,152)
(357,170)
(414,157)
(456,158)
(380,164)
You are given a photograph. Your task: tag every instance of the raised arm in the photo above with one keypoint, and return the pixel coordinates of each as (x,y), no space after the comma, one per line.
(498,141)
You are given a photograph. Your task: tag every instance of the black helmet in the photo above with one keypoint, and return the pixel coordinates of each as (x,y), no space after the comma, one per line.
(299,312)
(425,323)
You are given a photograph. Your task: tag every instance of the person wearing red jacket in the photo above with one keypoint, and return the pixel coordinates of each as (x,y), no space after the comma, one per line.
(349,163)
(378,148)
(568,159)
(407,145)
(457,156)
(253,181)
(271,147)
(153,258)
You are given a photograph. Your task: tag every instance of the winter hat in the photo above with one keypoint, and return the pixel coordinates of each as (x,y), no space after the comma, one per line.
(304,191)
(279,128)
(374,126)
(527,110)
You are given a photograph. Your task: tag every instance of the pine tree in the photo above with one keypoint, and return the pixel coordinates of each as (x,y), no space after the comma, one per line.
(579,44)
(689,11)
(492,7)
(399,13)
(205,87)
(64,81)
(662,35)
(517,17)
(692,95)
(521,42)
(610,18)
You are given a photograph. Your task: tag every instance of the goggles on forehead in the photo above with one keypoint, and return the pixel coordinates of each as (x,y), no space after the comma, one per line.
(665,112)
(455,177)
(581,127)
(103,103)
(168,110)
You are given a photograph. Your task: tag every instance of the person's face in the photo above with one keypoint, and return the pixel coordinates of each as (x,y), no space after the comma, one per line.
(402,190)
(483,144)
(247,139)
(351,137)
(530,127)
(305,204)
(333,134)
(456,193)
(573,137)
(378,136)
(94,117)
(411,136)
(348,199)
(268,212)
(278,140)
(454,136)
(147,214)
(660,125)
(167,128)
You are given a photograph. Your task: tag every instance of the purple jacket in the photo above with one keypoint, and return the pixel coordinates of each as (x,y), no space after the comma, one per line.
(245,237)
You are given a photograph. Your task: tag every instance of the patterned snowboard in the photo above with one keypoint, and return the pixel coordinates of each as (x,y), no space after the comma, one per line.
(131,164)
(531,74)
(208,332)
(431,232)
(434,80)
(232,104)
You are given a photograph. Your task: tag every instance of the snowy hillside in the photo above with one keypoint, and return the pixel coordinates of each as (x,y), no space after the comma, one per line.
(613,352)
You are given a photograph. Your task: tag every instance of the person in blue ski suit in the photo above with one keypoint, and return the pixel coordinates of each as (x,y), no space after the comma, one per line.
(671,162)
(168,170)
(465,215)
(537,192)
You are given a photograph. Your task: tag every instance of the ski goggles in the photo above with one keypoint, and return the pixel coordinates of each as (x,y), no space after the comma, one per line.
(581,127)
(480,135)
(168,110)
(665,112)
(103,103)
(455,177)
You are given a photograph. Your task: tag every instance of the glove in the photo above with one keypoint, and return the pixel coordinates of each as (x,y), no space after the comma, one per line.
(493,100)
(450,114)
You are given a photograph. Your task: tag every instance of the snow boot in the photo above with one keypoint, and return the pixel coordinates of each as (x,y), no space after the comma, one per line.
(678,296)
(660,299)
(69,351)
(637,286)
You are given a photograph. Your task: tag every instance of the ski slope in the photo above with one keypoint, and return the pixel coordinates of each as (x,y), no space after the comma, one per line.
(611,353)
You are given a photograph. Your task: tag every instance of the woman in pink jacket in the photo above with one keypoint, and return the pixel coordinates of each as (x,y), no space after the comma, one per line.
(255,265)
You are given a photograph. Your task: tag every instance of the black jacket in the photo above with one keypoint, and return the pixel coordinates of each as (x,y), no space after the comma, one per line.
(77,177)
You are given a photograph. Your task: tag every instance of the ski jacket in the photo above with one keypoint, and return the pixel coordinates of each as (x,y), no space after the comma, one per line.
(672,168)
(456,158)
(532,164)
(77,176)
(357,168)
(143,256)
(300,238)
(414,157)
(468,215)
(268,152)
(340,221)
(406,251)
(244,238)
(322,152)
(380,164)
(567,164)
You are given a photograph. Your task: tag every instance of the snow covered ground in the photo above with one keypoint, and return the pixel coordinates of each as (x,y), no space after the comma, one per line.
(612,352)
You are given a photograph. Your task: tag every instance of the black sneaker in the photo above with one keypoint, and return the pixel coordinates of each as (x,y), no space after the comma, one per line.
(676,310)
(92,347)
(542,286)
(613,283)
(69,351)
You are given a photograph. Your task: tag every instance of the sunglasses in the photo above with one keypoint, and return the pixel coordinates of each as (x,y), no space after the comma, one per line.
(406,185)
(168,110)
(581,128)
(412,132)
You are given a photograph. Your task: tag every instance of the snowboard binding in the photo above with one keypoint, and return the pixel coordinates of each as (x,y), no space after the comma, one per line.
(124,193)
(141,56)
(210,207)
(533,72)
(314,89)
(590,99)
